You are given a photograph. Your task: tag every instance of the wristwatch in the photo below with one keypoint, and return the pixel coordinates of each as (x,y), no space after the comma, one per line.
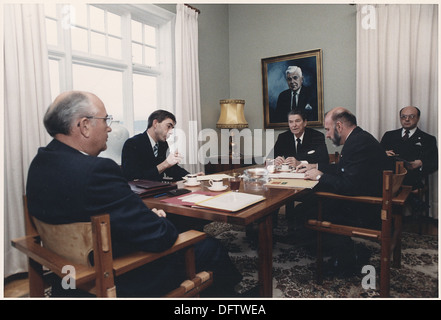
(318,177)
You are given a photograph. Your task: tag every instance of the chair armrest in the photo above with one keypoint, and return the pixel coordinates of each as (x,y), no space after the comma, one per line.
(134,260)
(365,199)
(30,245)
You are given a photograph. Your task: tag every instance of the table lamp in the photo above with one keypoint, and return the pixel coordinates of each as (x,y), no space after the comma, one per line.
(232,117)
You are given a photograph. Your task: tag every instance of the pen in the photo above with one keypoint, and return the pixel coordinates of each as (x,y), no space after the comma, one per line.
(160,195)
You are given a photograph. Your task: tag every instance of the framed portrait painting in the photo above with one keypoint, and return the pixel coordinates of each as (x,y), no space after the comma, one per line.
(293,81)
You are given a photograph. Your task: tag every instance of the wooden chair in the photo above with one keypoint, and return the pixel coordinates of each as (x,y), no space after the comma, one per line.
(334,157)
(53,247)
(392,202)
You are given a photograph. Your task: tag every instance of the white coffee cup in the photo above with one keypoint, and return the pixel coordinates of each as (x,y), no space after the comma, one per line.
(285,167)
(192,179)
(216,183)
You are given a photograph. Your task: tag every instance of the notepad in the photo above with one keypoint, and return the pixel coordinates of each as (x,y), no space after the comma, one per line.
(287,175)
(230,201)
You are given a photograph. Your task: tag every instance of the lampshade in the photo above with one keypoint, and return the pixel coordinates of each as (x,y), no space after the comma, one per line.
(231,115)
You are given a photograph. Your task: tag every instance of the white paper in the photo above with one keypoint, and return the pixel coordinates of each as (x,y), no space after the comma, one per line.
(195,198)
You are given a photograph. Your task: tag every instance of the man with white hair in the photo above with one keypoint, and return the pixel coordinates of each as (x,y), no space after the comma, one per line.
(297,96)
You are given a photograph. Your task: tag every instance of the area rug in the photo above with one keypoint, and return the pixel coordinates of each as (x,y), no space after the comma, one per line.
(294,266)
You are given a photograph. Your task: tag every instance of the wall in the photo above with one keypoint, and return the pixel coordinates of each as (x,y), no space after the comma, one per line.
(262,31)
(234,38)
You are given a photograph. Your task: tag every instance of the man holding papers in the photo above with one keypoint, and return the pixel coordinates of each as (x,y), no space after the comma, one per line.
(358,172)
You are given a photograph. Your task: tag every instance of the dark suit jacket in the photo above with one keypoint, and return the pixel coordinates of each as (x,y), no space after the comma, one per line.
(313,148)
(306,96)
(66,186)
(360,167)
(139,162)
(420,146)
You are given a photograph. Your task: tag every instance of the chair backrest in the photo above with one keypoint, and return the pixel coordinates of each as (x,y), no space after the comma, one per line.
(71,241)
(398,177)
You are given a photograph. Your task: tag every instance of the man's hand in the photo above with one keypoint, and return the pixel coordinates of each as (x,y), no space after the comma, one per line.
(292,161)
(303,167)
(312,174)
(415,164)
(279,160)
(390,153)
(174,158)
(159,212)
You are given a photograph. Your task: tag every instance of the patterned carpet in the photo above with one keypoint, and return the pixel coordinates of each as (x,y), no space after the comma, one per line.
(294,266)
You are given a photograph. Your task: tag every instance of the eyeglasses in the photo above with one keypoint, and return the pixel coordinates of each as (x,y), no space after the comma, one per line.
(410,116)
(108,119)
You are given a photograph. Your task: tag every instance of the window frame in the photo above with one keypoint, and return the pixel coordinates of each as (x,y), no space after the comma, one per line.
(163,20)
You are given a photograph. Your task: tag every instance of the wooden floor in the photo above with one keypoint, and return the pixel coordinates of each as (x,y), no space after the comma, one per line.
(17,286)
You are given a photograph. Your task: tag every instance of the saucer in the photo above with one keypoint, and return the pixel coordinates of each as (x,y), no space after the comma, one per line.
(289,170)
(218,189)
(191,185)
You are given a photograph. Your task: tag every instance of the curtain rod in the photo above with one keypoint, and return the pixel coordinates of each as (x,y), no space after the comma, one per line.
(191,7)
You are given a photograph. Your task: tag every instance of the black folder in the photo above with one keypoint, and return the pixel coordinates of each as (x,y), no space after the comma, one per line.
(147,188)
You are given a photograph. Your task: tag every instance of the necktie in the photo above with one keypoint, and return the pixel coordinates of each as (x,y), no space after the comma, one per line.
(299,143)
(406,135)
(155,150)
(294,100)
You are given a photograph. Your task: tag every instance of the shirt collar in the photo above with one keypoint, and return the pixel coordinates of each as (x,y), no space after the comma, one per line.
(152,141)
(411,132)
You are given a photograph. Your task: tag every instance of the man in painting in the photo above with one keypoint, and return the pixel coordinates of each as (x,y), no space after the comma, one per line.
(297,96)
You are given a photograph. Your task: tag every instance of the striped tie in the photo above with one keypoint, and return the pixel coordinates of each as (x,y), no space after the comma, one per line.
(155,150)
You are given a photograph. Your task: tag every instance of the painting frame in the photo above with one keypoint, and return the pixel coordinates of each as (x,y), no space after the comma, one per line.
(276,88)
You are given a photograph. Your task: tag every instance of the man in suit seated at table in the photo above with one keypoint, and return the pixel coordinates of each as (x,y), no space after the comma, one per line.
(68,183)
(417,148)
(358,172)
(297,144)
(144,156)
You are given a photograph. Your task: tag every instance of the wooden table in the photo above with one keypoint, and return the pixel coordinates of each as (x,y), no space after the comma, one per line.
(259,213)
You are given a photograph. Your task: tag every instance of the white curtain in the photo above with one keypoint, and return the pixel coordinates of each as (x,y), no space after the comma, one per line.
(397,66)
(188,104)
(27,96)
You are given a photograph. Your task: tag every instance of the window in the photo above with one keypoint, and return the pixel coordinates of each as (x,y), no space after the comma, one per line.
(122,53)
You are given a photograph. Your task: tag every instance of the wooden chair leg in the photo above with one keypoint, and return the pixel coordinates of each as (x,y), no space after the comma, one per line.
(320,246)
(36,280)
(385,258)
(319,258)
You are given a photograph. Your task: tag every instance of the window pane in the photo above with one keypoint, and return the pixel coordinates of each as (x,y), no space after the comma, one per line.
(136,31)
(98,43)
(96,19)
(105,84)
(79,14)
(113,24)
(114,48)
(54,76)
(150,56)
(144,96)
(149,35)
(51,32)
(50,10)
(79,39)
(136,53)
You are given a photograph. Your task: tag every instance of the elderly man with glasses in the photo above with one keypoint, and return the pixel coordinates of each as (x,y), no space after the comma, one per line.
(68,182)
(417,148)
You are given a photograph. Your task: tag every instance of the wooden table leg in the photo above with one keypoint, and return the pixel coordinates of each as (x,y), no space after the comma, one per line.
(265,253)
